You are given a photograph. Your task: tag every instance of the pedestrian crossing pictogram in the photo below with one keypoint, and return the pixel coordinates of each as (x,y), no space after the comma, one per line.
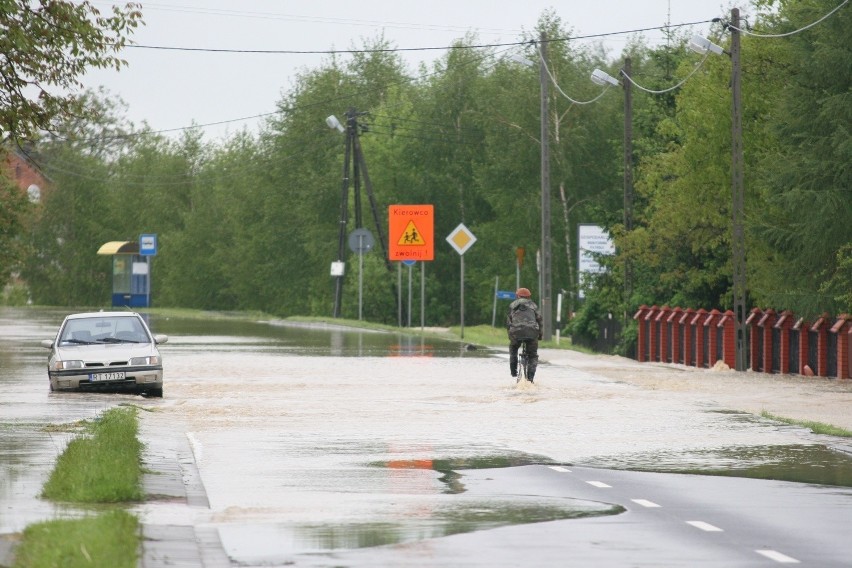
(411,236)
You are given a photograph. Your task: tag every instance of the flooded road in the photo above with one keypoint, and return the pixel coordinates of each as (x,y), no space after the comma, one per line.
(309,440)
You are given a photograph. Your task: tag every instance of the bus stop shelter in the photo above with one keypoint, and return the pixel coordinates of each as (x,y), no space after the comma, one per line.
(131,274)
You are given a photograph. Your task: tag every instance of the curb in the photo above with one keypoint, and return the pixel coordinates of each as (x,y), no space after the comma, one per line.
(172,475)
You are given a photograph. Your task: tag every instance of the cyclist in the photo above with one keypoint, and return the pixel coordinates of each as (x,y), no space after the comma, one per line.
(524,325)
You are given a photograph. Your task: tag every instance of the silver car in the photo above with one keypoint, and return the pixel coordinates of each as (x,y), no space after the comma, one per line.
(112,351)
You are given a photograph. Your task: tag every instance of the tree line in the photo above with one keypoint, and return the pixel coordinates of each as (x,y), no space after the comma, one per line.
(251,222)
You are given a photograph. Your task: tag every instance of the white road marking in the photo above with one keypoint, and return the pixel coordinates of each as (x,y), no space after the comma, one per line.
(645,503)
(704,526)
(778,557)
(560,469)
(600,484)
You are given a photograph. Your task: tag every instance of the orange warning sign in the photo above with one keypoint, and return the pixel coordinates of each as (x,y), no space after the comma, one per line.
(411,232)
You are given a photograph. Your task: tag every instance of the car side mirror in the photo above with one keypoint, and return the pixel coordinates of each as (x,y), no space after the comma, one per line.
(158,339)
(47,343)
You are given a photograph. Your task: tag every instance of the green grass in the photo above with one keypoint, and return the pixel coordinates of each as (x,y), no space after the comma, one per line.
(102,464)
(109,540)
(816,427)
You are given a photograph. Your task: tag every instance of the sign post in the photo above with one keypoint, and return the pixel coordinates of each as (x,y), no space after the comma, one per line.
(360,241)
(461,239)
(411,238)
(148,248)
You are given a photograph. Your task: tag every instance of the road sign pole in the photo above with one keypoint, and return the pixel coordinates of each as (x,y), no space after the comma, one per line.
(360,275)
(399,294)
(409,295)
(422,296)
(494,309)
(462,295)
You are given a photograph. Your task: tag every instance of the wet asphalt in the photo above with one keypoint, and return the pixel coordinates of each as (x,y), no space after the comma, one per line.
(525,500)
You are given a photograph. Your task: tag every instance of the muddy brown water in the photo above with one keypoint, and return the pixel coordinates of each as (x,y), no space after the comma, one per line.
(353,438)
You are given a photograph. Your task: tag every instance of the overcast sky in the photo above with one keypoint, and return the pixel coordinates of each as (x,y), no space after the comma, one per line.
(172,89)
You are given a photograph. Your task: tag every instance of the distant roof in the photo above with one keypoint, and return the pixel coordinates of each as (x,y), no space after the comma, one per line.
(119,247)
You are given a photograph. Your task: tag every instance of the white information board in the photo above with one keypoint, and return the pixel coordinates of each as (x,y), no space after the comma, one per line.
(593,240)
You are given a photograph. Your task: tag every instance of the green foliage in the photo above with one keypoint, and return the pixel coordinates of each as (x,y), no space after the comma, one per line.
(46,48)
(109,539)
(254,223)
(101,466)
(805,175)
(14,213)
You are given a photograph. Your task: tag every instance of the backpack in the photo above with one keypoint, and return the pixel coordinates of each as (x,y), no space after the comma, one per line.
(523,324)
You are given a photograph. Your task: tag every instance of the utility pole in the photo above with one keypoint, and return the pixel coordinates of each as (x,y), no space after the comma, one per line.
(546,257)
(359,170)
(738,199)
(628,177)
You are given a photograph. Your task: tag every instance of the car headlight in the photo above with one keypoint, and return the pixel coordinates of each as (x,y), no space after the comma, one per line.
(72,364)
(150,360)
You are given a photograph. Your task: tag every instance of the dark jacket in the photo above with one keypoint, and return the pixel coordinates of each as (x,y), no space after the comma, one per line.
(523,320)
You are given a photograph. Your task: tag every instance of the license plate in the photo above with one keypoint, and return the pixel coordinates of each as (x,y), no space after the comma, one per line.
(98,377)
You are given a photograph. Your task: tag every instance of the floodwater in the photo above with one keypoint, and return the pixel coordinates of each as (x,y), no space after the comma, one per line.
(313,439)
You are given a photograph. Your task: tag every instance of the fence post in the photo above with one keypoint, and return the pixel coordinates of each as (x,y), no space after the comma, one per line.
(676,333)
(803,328)
(710,337)
(784,325)
(653,334)
(642,333)
(729,338)
(841,330)
(754,339)
(688,335)
(663,329)
(698,336)
(821,329)
(766,325)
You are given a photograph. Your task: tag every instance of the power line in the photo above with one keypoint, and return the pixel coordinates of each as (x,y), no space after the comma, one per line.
(407,49)
(812,24)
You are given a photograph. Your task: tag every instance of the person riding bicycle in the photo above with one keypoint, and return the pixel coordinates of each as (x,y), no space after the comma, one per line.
(523,324)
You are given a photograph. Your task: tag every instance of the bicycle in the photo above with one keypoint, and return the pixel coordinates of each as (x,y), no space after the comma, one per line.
(523,361)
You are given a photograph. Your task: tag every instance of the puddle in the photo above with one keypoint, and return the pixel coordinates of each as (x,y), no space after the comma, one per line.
(262,543)
(293,338)
(448,467)
(452,511)
(814,464)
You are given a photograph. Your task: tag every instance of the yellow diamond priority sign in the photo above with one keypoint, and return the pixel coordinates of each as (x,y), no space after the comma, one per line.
(461,239)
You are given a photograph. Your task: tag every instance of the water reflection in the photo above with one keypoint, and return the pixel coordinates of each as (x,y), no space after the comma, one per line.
(259,543)
(817,464)
(448,467)
(293,338)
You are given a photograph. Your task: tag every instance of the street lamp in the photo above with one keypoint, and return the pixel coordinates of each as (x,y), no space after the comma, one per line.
(738,260)
(605,79)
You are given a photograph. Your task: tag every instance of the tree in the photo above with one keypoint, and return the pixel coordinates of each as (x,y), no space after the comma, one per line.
(803,232)
(13,212)
(45,48)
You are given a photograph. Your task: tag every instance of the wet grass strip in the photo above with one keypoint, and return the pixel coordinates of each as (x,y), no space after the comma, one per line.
(102,465)
(109,539)
(816,427)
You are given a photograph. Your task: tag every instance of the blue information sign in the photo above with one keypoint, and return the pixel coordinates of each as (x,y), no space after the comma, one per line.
(505,295)
(148,245)
(409,262)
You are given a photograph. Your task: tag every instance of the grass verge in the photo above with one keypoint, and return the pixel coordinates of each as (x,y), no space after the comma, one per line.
(102,464)
(108,540)
(816,427)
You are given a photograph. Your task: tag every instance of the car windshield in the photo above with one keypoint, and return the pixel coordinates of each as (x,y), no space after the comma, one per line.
(106,329)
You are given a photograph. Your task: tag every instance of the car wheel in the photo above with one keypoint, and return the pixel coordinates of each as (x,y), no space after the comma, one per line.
(156,393)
